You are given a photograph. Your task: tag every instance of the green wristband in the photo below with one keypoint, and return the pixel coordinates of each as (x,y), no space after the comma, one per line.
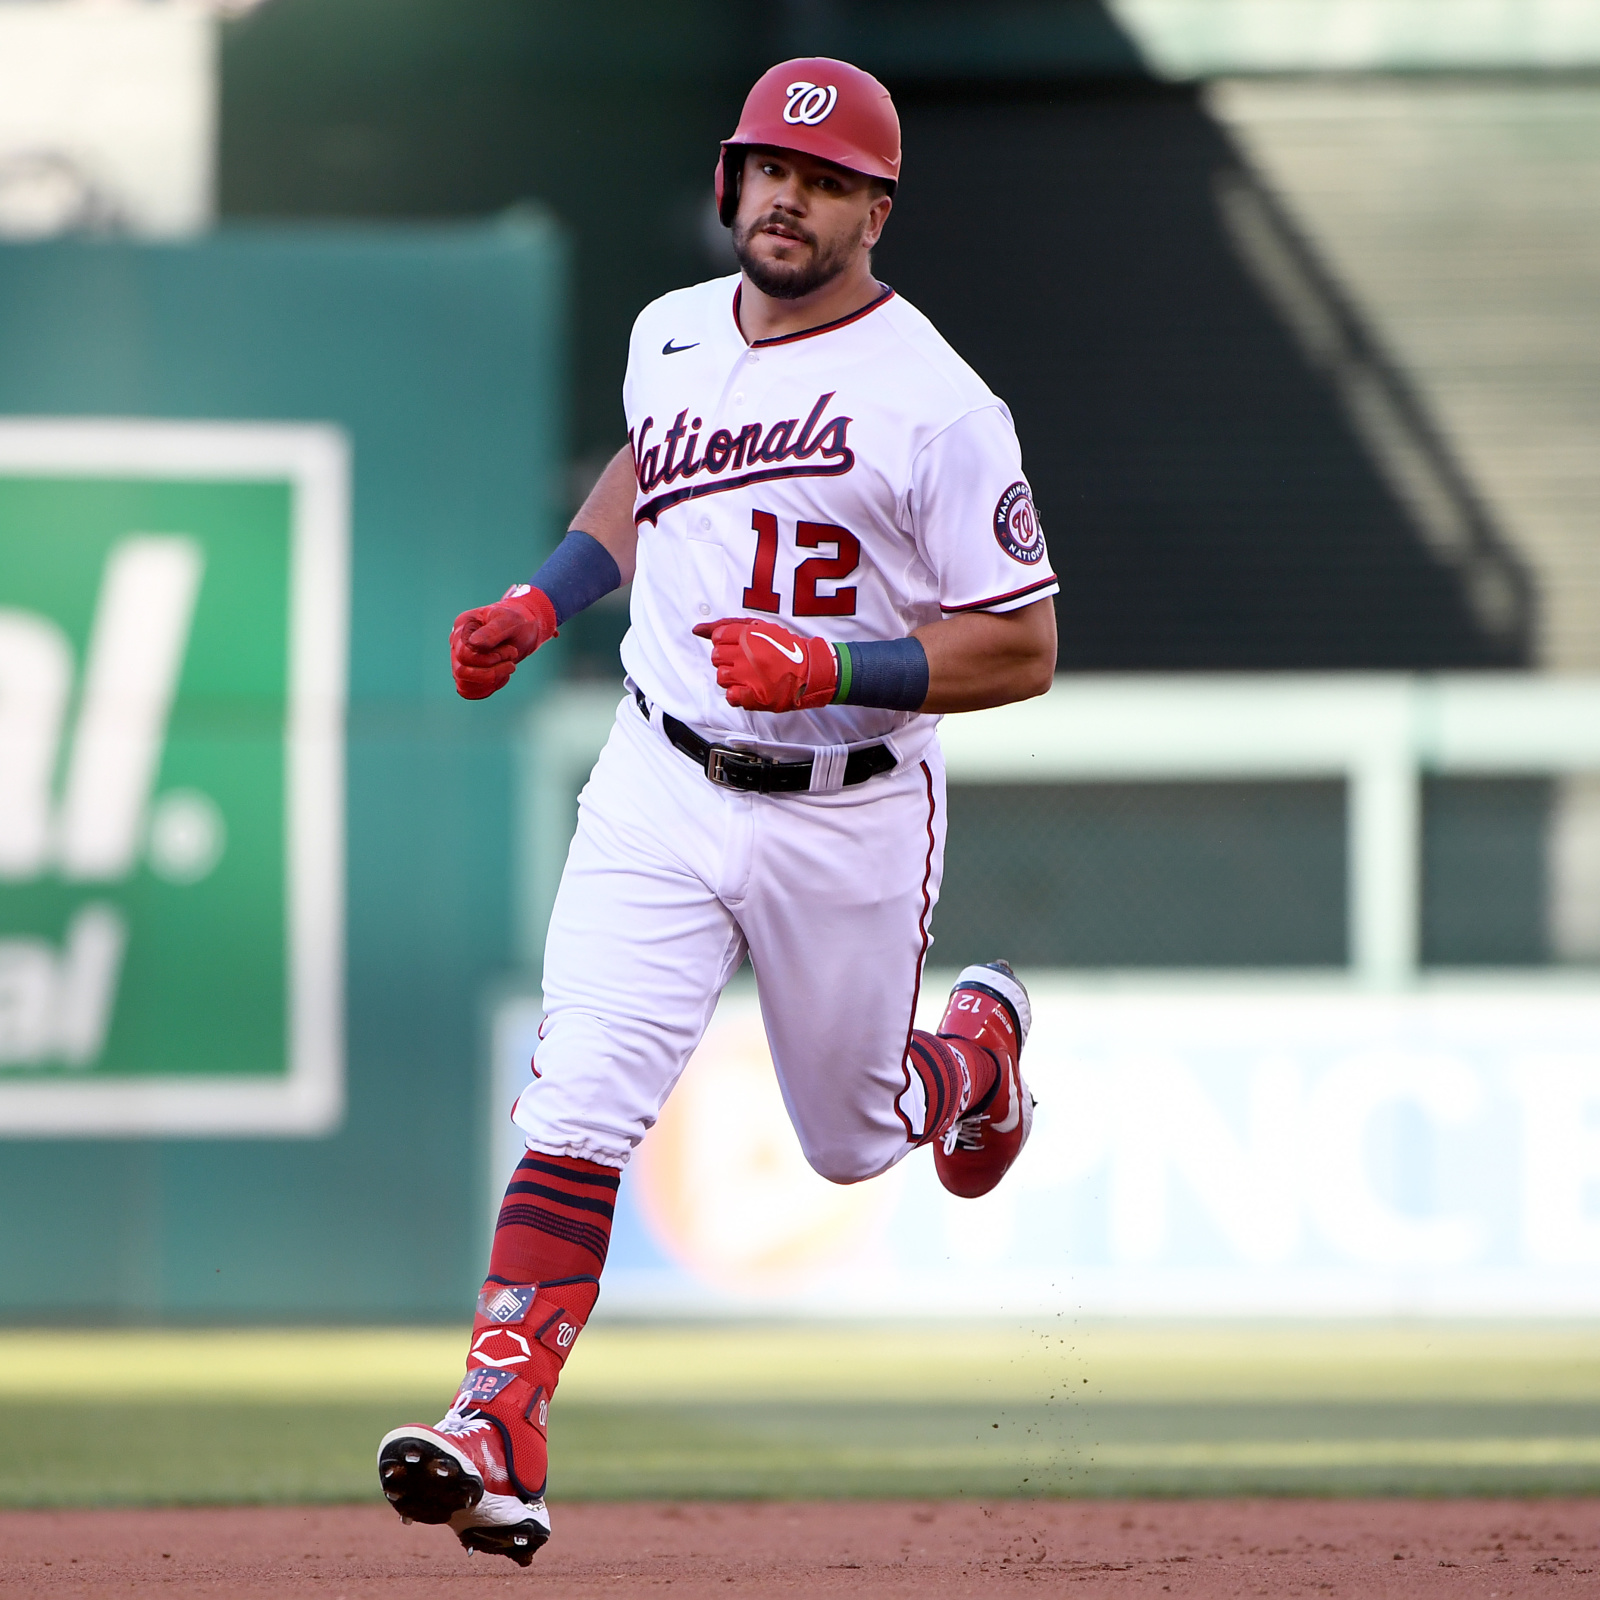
(842,690)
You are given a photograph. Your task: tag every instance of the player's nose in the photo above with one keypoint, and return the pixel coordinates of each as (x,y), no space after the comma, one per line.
(791,195)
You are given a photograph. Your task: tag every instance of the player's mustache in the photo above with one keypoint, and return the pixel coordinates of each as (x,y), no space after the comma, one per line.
(786,223)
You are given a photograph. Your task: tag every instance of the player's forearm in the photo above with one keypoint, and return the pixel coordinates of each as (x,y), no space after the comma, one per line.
(597,555)
(986,659)
(607,514)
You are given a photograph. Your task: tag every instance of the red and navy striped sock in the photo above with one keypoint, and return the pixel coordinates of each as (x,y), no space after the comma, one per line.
(544,1274)
(955,1074)
(555,1222)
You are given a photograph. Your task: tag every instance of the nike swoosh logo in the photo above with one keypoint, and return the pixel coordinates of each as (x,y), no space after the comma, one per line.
(671,349)
(1015,1114)
(794,653)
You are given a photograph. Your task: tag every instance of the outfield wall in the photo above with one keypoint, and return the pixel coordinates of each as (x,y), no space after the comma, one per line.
(252,846)
(1200,1149)
(1374,1138)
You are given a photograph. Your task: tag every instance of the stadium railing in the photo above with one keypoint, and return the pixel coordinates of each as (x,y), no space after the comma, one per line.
(1382,734)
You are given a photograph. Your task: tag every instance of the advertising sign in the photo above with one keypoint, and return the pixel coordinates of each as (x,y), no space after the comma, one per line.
(1214,1148)
(173,615)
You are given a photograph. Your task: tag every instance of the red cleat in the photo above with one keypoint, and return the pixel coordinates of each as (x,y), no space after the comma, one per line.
(990,1007)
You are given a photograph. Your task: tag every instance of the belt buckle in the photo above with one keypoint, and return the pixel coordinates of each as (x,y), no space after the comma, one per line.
(735,769)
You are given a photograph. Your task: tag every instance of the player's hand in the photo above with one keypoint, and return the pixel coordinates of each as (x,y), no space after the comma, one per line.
(765,667)
(487,642)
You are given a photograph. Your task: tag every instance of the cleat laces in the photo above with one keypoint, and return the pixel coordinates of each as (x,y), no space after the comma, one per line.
(459,1424)
(965,1133)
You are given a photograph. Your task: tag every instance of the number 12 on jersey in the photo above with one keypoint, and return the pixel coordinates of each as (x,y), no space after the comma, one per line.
(762,596)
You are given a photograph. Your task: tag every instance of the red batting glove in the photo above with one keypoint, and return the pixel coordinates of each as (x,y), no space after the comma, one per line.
(765,667)
(487,642)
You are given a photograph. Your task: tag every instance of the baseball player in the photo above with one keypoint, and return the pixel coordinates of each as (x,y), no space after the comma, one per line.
(831,542)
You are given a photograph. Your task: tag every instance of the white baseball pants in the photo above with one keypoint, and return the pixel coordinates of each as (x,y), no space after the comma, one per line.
(670,879)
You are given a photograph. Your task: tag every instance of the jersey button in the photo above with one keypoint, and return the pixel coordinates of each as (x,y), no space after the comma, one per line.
(738,399)
(705,524)
(705,611)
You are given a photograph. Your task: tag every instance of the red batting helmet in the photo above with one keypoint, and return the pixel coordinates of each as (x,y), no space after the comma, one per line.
(826,108)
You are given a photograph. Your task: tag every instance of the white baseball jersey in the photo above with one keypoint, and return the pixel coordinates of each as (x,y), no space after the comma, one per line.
(854,481)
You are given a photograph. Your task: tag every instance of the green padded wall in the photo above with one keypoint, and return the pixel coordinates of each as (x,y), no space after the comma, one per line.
(439,351)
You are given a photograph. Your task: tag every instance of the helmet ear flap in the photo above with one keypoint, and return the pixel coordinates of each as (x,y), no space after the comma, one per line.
(730,168)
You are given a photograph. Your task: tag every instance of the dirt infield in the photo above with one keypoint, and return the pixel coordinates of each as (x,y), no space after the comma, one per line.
(1199,1548)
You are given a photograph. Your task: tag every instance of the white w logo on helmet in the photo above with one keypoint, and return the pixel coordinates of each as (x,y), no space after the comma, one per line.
(809,103)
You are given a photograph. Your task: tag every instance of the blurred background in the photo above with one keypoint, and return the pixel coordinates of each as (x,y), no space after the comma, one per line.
(313,316)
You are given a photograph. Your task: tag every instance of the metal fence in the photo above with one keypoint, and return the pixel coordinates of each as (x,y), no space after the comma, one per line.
(1380,823)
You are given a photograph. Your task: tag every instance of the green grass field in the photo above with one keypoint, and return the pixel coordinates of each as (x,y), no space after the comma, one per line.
(229,1416)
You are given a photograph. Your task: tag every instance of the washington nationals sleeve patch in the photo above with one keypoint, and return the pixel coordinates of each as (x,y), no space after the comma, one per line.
(1016,525)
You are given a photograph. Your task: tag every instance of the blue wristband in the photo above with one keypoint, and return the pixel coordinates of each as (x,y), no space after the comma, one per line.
(891,673)
(579,572)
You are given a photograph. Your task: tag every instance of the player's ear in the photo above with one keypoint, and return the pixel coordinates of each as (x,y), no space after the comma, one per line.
(876,217)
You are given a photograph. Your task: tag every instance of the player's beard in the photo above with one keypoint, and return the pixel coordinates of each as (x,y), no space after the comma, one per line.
(786,280)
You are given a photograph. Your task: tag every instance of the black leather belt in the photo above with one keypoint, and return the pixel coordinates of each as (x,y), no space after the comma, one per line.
(742,769)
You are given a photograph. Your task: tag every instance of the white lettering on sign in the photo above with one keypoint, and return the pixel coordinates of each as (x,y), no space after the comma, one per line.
(1165,1123)
(1234,1149)
(141,628)
(1347,1100)
(136,649)
(56,1007)
(35,681)
(1560,1096)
